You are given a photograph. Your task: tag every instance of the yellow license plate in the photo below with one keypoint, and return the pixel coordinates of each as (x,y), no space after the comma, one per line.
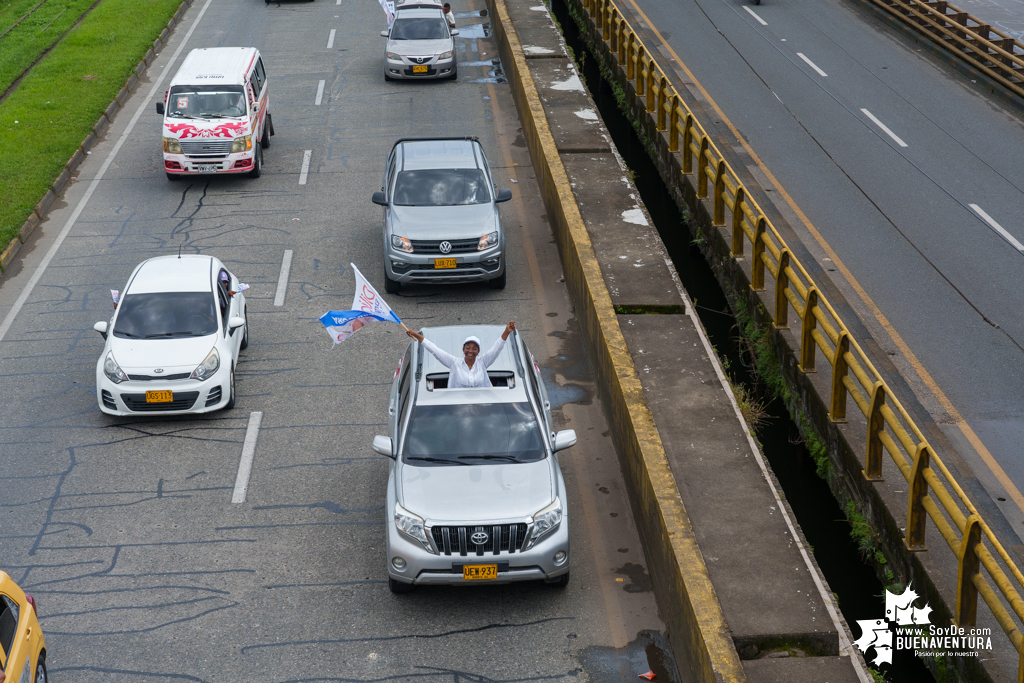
(419,69)
(159,396)
(444,263)
(474,572)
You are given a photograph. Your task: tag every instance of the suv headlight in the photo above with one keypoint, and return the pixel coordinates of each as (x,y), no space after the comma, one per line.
(394,56)
(544,522)
(487,241)
(412,526)
(209,366)
(172,146)
(401,243)
(112,370)
(444,55)
(243,143)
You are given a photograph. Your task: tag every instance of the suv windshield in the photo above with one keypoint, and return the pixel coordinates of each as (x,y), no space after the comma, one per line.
(166,315)
(423,28)
(441,187)
(206,101)
(473,434)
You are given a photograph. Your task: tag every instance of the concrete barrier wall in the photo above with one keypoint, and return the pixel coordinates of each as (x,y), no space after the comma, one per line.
(696,626)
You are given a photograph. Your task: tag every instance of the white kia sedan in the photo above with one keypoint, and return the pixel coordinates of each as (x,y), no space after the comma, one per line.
(174,340)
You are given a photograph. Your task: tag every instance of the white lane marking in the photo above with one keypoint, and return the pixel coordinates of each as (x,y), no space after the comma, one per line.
(252,432)
(282,279)
(330,41)
(998,228)
(320,92)
(759,19)
(305,166)
(338,3)
(9,319)
(884,127)
(812,64)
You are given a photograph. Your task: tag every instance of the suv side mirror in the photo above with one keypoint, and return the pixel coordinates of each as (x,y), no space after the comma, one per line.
(564,439)
(383,34)
(383,445)
(101,327)
(379,198)
(159,107)
(503,196)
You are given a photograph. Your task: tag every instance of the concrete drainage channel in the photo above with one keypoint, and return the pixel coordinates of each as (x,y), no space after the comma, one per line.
(822,520)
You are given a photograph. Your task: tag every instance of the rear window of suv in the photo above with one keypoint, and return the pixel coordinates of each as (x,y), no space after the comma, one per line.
(473,434)
(441,187)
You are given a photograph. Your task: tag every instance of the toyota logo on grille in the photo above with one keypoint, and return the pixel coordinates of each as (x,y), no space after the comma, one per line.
(445,247)
(479,538)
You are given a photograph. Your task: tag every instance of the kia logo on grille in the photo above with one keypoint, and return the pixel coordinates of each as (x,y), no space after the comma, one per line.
(158,370)
(445,247)
(479,538)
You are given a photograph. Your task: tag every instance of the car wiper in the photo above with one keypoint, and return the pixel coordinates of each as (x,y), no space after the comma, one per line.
(218,116)
(508,458)
(169,334)
(125,334)
(425,458)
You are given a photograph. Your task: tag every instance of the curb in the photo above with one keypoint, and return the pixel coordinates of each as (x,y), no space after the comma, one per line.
(98,131)
(696,625)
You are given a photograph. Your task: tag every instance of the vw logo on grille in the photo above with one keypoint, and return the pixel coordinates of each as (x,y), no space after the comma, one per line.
(158,370)
(479,537)
(445,247)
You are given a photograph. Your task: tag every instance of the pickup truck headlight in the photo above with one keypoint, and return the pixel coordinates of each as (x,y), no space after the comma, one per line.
(172,146)
(412,526)
(243,143)
(112,370)
(444,55)
(487,241)
(208,367)
(544,522)
(401,243)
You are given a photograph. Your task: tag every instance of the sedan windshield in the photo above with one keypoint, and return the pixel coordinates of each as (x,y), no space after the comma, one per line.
(206,101)
(441,187)
(423,28)
(477,434)
(166,315)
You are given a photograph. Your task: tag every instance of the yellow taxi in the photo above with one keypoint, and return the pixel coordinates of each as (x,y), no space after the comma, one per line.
(22,646)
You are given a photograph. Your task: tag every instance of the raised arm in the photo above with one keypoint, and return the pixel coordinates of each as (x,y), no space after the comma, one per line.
(446,359)
(492,354)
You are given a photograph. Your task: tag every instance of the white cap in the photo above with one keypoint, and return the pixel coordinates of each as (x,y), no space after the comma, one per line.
(475,340)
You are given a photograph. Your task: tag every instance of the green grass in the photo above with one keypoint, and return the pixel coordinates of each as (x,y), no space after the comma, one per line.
(55,106)
(33,36)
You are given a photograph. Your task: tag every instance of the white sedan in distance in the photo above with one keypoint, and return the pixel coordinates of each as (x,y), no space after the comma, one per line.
(174,340)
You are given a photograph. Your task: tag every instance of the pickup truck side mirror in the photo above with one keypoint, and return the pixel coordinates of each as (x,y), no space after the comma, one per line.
(379,198)
(564,439)
(383,445)
(160,108)
(101,327)
(503,196)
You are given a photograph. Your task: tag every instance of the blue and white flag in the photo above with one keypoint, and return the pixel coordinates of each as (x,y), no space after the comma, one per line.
(367,306)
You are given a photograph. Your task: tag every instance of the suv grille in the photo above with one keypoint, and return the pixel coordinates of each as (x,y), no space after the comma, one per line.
(452,540)
(434,246)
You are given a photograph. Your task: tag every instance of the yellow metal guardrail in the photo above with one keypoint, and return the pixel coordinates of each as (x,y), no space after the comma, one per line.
(933,492)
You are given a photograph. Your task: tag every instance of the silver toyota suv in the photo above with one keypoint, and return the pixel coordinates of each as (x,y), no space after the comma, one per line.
(441,220)
(475,494)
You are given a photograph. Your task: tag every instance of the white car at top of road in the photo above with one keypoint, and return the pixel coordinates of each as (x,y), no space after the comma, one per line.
(173,342)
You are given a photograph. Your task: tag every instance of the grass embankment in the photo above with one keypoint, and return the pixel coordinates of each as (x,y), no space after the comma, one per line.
(27,37)
(45,119)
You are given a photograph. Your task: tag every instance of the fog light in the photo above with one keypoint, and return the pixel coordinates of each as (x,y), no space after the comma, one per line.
(399,563)
(560,557)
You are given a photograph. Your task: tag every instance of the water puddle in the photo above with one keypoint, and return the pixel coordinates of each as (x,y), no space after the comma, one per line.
(650,651)
(474,31)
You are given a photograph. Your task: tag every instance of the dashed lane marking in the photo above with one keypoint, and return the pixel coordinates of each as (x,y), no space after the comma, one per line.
(812,65)
(320,92)
(252,432)
(304,171)
(998,228)
(330,40)
(282,279)
(884,128)
(759,19)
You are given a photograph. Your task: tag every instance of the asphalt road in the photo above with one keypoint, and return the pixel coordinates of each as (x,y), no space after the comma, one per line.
(124,529)
(893,157)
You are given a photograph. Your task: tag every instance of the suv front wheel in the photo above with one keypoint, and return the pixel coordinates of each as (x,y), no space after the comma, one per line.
(399,587)
(498,282)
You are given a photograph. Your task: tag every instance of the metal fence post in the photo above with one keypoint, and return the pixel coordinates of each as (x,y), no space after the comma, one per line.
(613,44)
(650,99)
(876,424)
(687,143)
(916,514)
(630,65)
(968,568)
(640,54)
(719,205)
(623,29)
(837,411)
(605,20)
(673,124)
(781,302)
(757,260)
(702,168)
(737,223)
(807,324)
(662,96)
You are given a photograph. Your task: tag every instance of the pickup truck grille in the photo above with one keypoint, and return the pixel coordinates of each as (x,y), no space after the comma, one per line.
(458,540)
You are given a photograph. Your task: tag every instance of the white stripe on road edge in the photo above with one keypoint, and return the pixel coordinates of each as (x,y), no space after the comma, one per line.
(884,127)
(812,65)
(330,41)
(252,432)
(9,320)
(282,279)
(320,93)
(304,171)
(762,21)
(338,3)
(998,228)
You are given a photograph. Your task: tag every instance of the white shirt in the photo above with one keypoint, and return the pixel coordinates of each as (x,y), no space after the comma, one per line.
(461,376)
(450,18)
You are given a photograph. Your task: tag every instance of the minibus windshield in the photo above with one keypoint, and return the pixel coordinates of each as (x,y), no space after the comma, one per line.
(206,101)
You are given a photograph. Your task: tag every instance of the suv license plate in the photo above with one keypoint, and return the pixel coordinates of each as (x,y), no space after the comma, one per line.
(474,572)
(159,396)
(419,69)
(205,168)
(444,263)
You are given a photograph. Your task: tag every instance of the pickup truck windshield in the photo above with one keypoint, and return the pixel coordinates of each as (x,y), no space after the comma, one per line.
(476,434)
(441,187)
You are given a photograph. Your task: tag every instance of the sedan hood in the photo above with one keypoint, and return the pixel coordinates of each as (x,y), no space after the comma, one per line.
(484,492)
(172,355)
(420,48)
(443,222)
